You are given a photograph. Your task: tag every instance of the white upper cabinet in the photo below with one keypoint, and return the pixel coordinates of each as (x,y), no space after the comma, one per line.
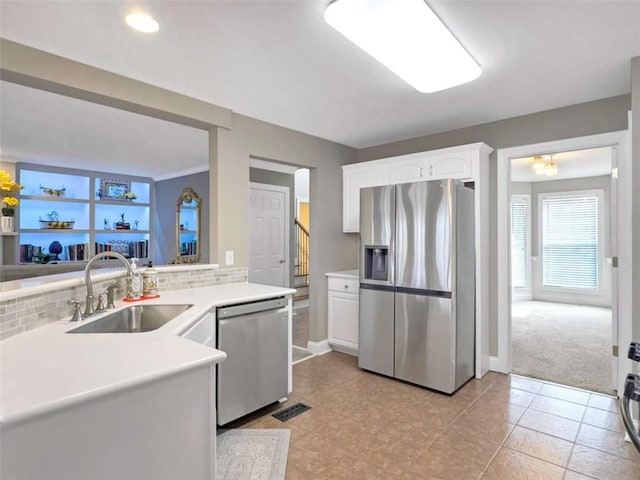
(462,163)
(355,177)
(424,166)
(407,170)
(454,165)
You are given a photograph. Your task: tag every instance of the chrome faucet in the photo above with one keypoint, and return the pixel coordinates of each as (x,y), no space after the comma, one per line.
(88,308)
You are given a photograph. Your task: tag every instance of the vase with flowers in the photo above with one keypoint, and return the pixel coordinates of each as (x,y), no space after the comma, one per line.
(9,189)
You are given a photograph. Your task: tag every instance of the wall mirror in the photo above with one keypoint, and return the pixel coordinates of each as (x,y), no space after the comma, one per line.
(188,226)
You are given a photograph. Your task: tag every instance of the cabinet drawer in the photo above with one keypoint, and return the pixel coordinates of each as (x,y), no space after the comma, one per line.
(344,285)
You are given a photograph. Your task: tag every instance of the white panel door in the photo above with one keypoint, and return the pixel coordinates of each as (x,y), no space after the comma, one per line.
(269,235)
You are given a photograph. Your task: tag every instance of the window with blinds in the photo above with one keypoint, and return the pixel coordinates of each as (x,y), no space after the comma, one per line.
(519,241)
(570,246)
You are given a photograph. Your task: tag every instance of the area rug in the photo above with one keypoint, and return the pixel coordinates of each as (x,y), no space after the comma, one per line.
(252,454)
(561,343)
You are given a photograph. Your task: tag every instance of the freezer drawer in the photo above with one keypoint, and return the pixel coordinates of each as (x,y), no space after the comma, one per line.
(255,371)
(375,331)
(425,341)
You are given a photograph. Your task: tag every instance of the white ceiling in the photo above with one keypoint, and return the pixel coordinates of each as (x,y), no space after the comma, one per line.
(280,62)
(577,164)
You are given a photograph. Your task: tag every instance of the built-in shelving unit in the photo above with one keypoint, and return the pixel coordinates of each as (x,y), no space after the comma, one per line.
(85,212)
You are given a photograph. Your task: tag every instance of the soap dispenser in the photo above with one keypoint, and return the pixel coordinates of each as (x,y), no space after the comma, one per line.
(134,282)
(149,281)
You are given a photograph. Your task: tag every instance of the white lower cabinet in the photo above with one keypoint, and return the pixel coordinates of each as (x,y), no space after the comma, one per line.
(162,428)
(343,314)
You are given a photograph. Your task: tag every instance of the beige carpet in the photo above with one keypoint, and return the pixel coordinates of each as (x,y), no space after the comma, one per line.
(248,454)
(561,343)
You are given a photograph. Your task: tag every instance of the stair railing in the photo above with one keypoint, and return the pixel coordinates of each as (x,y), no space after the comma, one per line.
(302,265)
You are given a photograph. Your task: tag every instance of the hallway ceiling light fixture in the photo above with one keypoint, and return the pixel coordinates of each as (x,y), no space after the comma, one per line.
(538,164)
(544,166)
(142,22)
(407,38)
(550,168)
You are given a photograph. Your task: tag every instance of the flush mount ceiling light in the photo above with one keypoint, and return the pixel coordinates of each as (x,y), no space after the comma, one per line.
(142,22)
(406,37)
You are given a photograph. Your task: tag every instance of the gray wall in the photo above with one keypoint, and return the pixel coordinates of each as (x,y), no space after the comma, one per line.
(331,249)
(521,187)
(600,116)
(167,193)
(258,175)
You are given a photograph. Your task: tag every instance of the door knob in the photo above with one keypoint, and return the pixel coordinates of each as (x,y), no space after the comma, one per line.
(282,260)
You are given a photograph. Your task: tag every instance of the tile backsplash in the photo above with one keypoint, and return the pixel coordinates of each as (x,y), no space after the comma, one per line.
(26,313)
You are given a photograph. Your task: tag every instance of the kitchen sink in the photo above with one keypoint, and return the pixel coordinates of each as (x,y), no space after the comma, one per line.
(137,318)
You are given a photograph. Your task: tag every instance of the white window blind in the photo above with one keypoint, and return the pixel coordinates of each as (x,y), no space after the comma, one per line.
(570,241)
(519,243)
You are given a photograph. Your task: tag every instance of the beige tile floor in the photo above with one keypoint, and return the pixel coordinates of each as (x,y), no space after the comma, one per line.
(365,426)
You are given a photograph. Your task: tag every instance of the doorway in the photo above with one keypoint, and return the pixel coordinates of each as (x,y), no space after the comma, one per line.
(302,276)
(561,289)
(269,224)
(267,175)
(620,248)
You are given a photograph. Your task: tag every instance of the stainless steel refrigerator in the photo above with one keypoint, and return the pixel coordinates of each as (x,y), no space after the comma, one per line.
(417,283)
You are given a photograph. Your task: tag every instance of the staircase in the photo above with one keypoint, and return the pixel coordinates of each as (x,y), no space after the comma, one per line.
(301,281)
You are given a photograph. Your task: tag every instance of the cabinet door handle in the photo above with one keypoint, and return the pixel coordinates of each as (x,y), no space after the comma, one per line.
(346,287)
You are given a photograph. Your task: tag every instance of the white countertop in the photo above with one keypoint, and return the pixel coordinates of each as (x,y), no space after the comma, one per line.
(344,274)
(46,369)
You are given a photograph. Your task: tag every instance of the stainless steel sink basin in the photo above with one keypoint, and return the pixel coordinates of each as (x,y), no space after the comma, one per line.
(137,318)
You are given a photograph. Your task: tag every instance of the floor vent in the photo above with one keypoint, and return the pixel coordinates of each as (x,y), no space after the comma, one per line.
(290,412)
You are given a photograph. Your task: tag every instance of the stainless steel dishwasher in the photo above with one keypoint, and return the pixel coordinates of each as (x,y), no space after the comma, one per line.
(255,338)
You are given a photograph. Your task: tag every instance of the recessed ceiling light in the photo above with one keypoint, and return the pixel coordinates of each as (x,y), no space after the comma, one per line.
(406,37)
(142,22)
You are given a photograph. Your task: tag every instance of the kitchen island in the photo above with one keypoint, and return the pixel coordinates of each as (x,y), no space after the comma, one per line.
(116,405)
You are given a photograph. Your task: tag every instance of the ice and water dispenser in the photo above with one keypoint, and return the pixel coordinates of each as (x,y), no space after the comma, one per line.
(376,262)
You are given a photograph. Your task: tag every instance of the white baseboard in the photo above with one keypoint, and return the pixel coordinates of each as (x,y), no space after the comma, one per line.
(495,365)
(344,348)
(319,348)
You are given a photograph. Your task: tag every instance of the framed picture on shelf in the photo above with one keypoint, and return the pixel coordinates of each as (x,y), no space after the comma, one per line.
(114,189)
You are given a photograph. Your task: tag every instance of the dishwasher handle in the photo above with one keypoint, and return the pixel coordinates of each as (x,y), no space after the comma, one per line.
(251,307)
